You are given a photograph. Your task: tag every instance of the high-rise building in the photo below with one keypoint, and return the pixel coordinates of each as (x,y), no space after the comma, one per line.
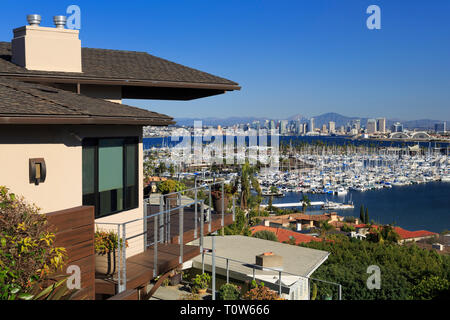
(283,126)
(311,125)
(324,129)
(440,127)
(397,127)
(381,125)
(356,124)
(332,126)
(371,127)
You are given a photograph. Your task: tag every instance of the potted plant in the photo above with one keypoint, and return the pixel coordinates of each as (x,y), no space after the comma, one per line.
(168,187)
(216,196)
(201,283)
(106,244)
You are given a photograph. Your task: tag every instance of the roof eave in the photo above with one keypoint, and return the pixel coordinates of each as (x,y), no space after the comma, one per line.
(48,120)
(122,82)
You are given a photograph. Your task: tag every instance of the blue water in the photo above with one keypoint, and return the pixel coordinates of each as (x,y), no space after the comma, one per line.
(413,207)
(296,140)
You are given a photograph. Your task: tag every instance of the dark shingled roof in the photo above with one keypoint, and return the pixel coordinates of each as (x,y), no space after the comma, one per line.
(118,64)
(24,103)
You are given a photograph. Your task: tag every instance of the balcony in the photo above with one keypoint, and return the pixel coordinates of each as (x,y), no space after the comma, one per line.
(163,232)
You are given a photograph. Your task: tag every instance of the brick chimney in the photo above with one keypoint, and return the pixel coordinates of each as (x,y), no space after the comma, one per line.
(45,48)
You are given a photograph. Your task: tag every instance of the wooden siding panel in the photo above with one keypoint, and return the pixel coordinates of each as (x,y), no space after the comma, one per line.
(75,232)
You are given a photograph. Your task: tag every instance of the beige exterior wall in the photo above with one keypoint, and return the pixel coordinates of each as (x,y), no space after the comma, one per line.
(110,93)
(61,148)
(47,49)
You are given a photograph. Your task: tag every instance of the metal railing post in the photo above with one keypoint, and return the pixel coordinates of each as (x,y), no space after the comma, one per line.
(254,274)
(279,279)
(124,257)
(228,271)
(195,214)
(223,204)
(180,235)
(161,208)
(119,267)
(145,224)
(155,246)
(340,292)
(234,208)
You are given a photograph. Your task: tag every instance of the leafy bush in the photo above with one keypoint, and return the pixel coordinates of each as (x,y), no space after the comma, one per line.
(266,235)
(170,186)
(201,281)
(107,241)
(261,292)
(27,252)
(229,291)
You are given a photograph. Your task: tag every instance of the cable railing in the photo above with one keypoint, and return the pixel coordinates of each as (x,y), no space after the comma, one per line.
(303,282)
(153,229)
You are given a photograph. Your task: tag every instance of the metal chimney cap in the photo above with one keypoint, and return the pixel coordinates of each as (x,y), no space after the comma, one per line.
(34,19)
(60,21)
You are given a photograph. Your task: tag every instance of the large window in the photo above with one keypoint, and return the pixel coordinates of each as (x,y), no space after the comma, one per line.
(110,174)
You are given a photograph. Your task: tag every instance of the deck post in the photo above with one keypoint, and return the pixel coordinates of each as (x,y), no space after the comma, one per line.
(195,212)
(223,204)
(161,208)
(234,208)
(180,235)
(124,257)
(155,246)
(213,266)
(228,271)
(279,280)
(209,209)
(119,265)
(340,292)
(145,224)
(202,223)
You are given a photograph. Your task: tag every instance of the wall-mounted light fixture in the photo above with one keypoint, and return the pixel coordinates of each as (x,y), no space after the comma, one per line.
(38,171)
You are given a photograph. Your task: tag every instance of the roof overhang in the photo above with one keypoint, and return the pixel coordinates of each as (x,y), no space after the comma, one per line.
(138,89)
(29,120)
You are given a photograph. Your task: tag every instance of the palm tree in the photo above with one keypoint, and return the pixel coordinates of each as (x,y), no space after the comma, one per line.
(325,227)
(305,203)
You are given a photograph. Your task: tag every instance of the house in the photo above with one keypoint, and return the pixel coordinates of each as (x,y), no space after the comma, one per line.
(240,256)
(287,236)
(66,139)
(301,221)
(405,235)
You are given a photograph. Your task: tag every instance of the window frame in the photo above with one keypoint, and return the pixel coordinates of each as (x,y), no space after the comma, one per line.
(127,140)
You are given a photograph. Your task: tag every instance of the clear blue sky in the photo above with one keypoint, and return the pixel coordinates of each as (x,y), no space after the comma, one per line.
(307,57)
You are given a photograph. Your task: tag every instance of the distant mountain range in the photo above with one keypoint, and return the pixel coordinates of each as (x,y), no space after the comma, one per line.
(319,120)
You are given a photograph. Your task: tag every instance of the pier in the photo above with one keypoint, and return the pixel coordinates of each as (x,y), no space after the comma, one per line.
(294,204)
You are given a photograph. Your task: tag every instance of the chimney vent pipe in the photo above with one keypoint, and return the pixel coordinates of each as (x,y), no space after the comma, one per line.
(34,19)
(60,21)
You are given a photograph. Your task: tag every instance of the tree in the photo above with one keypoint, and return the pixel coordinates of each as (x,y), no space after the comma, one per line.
(366,216)
(432,287)
(305,203)
(361,214)
(266,235)
(325,227)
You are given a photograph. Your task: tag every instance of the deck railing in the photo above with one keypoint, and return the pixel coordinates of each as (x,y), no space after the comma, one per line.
(270,271)
(134,231)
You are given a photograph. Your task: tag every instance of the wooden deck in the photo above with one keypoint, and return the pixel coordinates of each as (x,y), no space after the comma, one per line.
(140,267)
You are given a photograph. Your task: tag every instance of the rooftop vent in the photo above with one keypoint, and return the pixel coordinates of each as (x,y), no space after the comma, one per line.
(269,260)
(34,19)
(60,21)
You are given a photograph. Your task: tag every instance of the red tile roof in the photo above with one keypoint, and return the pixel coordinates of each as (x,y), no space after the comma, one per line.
(405,234)
(284,235)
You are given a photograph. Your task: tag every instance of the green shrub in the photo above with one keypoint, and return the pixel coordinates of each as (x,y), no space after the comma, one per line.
(229,291)
(266,235)
(201,281)
(27,252)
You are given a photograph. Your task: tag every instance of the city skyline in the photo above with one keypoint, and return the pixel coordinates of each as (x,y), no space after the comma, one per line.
(292,57)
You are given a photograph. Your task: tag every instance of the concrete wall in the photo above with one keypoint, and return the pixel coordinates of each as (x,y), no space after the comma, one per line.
(61,148)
